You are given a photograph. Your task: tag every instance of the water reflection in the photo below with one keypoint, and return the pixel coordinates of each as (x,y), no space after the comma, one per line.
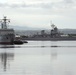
(6,55)
(54,54)
(41,58)
(5,59)
(54,50)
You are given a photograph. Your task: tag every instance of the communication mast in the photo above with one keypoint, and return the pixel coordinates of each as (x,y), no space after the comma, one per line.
(52,25)
(4,22)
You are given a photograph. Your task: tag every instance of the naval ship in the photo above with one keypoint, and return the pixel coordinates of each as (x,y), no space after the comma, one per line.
(6,34)
(54,35)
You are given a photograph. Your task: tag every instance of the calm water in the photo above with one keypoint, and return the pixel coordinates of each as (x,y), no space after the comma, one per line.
(39,58)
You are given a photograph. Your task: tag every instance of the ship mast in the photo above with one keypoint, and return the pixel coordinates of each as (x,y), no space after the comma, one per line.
(4,22)
(52,25)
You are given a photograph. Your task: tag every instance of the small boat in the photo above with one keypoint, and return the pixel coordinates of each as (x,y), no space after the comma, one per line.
(18,42)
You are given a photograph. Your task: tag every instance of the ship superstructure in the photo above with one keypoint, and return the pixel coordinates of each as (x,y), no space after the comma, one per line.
(54,31)
(6,34)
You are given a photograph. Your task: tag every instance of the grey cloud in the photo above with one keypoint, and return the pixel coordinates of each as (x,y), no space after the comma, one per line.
(49,5)
(24,5)
(3,5)
(68,1)
(46,5)
(57,5)
(13,5)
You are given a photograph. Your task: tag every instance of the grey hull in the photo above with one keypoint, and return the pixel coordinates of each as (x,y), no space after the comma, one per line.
(52,39)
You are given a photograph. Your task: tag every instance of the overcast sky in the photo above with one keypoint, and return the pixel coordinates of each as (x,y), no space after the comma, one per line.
(40,13)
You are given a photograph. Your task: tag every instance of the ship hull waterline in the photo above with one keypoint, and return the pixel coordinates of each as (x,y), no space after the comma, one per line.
(51,39)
